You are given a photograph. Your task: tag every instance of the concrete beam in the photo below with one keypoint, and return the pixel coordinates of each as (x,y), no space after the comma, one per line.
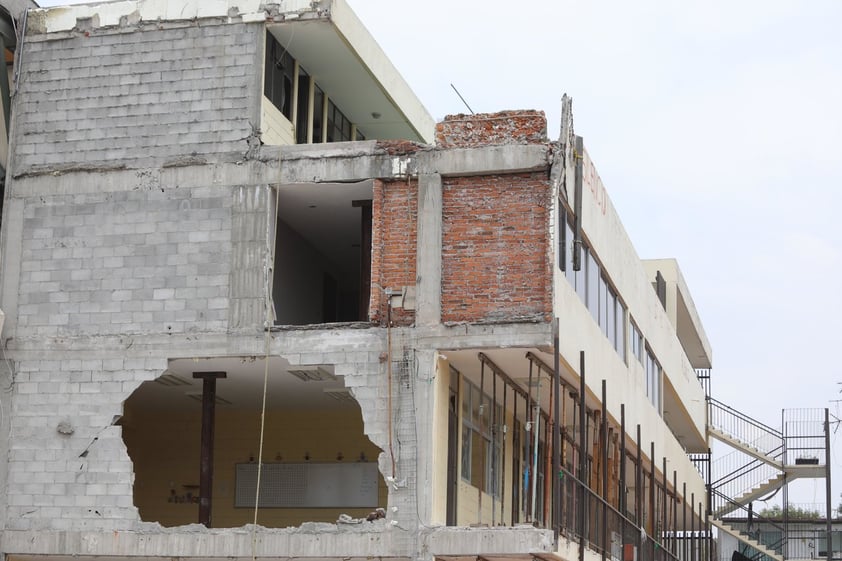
(485,160)
(319,540)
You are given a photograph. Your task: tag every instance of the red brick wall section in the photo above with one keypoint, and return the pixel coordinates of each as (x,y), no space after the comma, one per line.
(495,249)
(394,216)
(486,129)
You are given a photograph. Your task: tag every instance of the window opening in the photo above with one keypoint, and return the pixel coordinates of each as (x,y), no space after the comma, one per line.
(322,270)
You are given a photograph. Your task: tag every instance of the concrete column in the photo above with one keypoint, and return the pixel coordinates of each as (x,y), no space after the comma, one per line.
(428,302)
(252,233)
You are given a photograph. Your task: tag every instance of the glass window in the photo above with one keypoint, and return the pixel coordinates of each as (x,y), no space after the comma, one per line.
(603,305)
(278,77)
(568,254)
(594,278)
(318,108)
(610,310)
(582,276)
(621,330)
(303,103)
(562,237)
(480,451)
(635,341)
(653,380)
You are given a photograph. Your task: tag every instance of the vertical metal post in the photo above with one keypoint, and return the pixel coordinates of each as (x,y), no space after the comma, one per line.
(503,456)
(536,426)
(495,433)
(702,542)
(530,425)
(583,464)
(556,473)
(828,497)
(693,527)
(675,513)
(481,403)
(638,483)
(603,436)
(578,158)
(517,466)
(206,453)
(653,514)
(622,491)
(684,521)
(664,500)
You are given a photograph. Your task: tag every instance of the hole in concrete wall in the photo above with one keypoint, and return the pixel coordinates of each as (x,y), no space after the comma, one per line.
(322,253)
(318,463)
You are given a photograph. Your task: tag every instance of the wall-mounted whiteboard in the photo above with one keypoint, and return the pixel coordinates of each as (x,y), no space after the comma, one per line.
(308,485)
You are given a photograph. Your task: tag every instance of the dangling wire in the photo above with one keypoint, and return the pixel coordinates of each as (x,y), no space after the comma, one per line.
(270,256)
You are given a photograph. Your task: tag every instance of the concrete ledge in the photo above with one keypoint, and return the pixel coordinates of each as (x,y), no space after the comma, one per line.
(313,540)
(447,540)
(486,160)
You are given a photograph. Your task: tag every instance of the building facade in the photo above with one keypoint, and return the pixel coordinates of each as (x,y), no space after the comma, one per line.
(238,255)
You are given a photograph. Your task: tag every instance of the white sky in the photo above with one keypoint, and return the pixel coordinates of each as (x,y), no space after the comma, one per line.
(716,127)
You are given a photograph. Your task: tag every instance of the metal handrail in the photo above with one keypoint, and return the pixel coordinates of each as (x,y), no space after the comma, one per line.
(742,427)
(778,547)
(745,478)
(571,527)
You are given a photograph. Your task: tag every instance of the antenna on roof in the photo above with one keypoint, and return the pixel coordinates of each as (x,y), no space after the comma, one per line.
(462,98)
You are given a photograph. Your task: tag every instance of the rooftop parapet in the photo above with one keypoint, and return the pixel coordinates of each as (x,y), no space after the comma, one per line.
(489,129)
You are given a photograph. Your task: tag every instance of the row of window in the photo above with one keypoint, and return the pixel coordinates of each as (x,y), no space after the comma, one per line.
(594,289)
(327,122)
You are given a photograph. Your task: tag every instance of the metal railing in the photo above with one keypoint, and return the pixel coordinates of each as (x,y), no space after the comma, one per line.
(743,428)
(736,474)
(775,536)
(587,517)
(803,431)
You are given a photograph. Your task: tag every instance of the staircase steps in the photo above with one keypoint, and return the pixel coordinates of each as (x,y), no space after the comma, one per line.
(743,447)
(745,538)
(755,493)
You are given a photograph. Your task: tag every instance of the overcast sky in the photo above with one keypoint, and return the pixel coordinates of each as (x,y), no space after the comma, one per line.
(716,127)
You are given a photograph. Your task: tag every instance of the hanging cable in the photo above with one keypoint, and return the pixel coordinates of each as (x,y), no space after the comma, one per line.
(267,268)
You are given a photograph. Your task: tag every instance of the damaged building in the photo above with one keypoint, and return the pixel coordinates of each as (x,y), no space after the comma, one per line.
(258,304)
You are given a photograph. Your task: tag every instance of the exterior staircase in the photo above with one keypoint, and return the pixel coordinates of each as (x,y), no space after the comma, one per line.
(746,539)
(762,460)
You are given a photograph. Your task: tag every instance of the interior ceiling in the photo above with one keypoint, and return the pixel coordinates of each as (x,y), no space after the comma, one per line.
(323,214)
(516,366)
(511,361)
(323,53)
(243,386)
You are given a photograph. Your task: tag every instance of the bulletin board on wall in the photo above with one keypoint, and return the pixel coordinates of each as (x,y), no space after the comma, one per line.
(308,485)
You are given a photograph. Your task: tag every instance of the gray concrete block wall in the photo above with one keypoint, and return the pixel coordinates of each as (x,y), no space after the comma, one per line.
(141,261)
(68,468)
(252,214)
(152,96)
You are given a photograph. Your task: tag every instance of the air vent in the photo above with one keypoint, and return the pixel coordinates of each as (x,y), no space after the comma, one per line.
(317,374)
(339,394)
(171,380)
(197,396)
